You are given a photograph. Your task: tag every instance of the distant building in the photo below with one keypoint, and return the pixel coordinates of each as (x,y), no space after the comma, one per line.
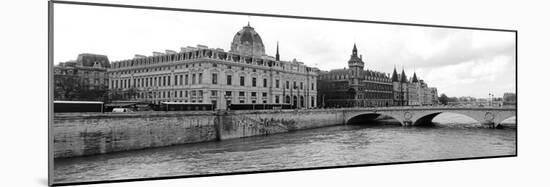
(509,99)
(413,92)
(355,86)
(83,79)
(245,74)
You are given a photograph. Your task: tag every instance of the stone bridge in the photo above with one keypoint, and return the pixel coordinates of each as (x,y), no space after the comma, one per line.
(423,115)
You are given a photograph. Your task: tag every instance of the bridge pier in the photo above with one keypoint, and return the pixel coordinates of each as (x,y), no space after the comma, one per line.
(489,124)
(407,123)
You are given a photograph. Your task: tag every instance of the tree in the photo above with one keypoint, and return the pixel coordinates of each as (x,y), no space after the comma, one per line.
(67,87)
(443,99)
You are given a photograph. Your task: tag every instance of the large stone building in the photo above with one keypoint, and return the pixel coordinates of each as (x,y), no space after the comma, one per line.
(245,74)
(509,99)
(412,92)
(82,79)
(355,86)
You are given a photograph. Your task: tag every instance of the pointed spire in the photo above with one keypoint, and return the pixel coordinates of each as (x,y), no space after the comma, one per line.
(394,75)
(354,51)
(248,24)
(277,54)
(414,78)
(403,76)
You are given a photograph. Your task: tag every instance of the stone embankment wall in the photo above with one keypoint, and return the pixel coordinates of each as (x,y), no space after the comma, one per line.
(89,134)
(78,134)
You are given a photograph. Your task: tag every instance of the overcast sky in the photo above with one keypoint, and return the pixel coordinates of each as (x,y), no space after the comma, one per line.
(458,62)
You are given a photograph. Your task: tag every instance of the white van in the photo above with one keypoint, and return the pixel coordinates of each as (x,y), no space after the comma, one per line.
(121,110)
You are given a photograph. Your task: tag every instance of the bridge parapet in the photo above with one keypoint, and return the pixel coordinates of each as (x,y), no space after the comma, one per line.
(422,115)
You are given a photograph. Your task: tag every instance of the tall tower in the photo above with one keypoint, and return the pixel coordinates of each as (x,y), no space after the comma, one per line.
(404,88)
(397,90)
(355,63)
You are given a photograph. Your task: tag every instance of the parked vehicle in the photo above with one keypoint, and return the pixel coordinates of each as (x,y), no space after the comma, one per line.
(122,110)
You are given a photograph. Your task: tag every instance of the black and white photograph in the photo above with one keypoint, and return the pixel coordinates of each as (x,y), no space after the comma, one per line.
(141,93)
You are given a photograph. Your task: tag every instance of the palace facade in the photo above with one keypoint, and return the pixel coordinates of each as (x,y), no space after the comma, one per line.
(355,86)
(245,74)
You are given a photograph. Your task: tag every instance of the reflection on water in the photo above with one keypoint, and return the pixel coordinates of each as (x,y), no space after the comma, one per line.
(330,146)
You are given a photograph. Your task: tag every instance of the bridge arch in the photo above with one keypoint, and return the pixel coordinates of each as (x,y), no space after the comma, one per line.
(504,117)
(427,119)
(371,116)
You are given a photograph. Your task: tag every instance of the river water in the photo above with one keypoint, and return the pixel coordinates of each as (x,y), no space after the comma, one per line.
(454,136)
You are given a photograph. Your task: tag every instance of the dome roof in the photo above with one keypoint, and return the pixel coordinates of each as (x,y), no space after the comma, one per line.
(248,42)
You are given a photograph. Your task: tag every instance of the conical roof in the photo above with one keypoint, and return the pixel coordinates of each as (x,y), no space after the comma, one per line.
(414,78)
(403,76)
(394,77)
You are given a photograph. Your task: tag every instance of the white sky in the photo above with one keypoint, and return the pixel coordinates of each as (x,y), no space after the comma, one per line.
(457,62)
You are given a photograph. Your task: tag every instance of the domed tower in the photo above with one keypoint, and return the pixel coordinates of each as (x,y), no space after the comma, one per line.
(355,63)
(248,42)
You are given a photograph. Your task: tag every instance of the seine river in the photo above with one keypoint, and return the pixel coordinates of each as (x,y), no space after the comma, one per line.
(454,137)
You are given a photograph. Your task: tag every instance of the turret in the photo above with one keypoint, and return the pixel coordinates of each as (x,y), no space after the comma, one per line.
(394,77)
(355,63)
(403,76)
(414,79)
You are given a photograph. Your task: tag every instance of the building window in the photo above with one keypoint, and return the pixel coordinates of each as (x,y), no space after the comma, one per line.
(214,78)
(167,77)
(242,80)
(294,84)
(253,81)
(193,80)
(229,80)
(287,85)
(176,80)
(312,86)
(276,83)
(200,78)
(241,94)
(276,99)
(186,79)
(265,82)
(200,93)
(214,65)
(301,85)
(213,93)
(264,94)
(163,81)
(228,93)
(253,94)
